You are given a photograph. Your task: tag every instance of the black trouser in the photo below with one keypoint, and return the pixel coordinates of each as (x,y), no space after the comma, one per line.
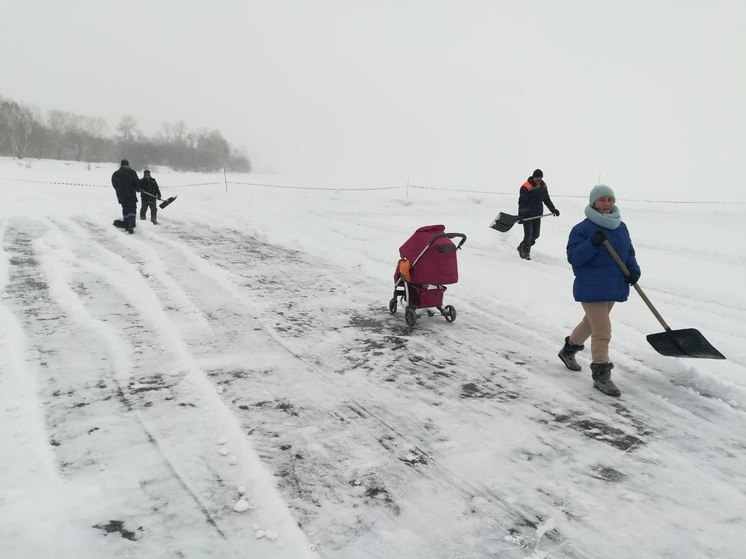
(531,230)
(129,209)
(148,202)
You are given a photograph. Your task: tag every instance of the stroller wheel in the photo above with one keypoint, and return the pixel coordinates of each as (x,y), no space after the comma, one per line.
(410,317)
(449,312)
(392,305)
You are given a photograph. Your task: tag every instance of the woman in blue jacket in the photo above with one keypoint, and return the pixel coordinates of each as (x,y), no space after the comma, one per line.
(599,282)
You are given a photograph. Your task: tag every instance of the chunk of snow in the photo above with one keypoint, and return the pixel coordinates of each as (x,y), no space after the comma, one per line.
(241,506)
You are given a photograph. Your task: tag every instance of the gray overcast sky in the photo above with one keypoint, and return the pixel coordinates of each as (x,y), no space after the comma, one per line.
(650,94)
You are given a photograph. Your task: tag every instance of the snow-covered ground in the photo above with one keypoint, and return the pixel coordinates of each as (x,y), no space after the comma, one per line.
(230,382)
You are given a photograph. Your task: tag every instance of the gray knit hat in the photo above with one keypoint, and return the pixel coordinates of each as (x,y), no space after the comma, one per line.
(599,191)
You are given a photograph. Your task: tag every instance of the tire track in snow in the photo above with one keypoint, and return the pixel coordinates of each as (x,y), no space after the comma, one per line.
(242,257)
(74,407)
(691,394)
(96,298)
(27,452)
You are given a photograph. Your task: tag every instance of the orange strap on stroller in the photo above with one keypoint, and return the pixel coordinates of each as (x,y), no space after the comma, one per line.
(403,268)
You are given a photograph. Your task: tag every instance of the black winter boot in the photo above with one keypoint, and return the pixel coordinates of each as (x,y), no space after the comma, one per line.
(601,373)
(567,354)
(527,251)
(520,250)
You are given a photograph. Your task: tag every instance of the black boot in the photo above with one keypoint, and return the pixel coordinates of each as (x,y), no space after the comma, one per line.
(527,251)
(523,250)
(601,373)
(567,354)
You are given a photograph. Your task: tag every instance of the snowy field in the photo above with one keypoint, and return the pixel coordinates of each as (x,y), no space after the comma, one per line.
(230,383)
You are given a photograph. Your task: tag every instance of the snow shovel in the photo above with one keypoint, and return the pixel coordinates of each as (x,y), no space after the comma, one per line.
(162,204)
(503,222)
(671,343)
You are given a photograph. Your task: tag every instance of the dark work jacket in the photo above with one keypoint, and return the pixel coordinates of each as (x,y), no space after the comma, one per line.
(533,195)
(126,182)
(149,185)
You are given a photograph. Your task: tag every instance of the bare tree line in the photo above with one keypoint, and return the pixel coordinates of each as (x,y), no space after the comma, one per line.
(24,132)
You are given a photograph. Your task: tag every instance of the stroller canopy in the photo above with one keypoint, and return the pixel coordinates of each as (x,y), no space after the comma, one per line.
(437,265)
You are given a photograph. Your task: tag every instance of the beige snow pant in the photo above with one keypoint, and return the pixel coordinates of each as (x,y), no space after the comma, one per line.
(595,325)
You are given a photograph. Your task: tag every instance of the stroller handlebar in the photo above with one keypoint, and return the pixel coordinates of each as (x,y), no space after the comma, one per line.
(435,238)
(450,236)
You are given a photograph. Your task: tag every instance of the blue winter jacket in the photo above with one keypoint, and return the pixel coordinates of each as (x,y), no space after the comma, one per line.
(597,276)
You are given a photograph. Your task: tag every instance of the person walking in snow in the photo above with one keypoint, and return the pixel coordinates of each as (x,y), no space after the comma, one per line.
(126,184)
(531,199)
(599,282)
(149,195)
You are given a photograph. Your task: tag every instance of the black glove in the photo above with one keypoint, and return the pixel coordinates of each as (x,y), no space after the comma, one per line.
(555,211)
(159,197)
(598,238)
(632,277)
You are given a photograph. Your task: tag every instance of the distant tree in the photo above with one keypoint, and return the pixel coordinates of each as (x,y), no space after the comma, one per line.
(59,123)
(3,135)
(75,134)
(97,146)
(174,133)
(238,162)
(67,135)
(127,129)
(17,125)
(42,141)
(213,148)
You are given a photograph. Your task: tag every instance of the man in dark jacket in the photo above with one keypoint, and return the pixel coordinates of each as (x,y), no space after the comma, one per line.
(149,194)
(533,195)
(126,184)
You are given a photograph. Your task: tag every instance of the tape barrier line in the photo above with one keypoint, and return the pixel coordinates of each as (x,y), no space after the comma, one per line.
(62,183)
(67,183)
(318,188)
(375,188)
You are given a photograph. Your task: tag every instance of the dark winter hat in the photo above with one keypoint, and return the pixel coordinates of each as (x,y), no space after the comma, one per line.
(125,163)
(538,174)
(599,191)
(146,172)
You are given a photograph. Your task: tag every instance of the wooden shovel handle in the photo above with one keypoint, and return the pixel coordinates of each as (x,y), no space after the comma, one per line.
(522,219)
(639,290)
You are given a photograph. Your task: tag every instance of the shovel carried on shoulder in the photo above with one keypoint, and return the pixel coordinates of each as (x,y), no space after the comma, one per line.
(671,343)
(165,202)
(503,222)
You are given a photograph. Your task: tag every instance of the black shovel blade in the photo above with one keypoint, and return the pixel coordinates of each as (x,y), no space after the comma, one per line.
(683,343)
(167,202)
(503,222)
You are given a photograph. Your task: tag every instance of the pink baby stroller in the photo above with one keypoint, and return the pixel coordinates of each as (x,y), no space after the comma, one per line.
(428,262)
